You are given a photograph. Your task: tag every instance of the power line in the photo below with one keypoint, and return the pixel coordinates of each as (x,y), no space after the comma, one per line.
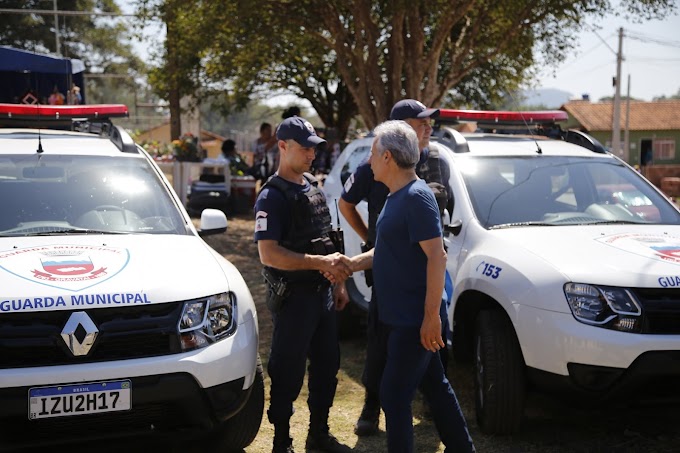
(66,13)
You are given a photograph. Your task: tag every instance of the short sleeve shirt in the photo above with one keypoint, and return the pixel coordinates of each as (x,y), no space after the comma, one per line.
(410,216)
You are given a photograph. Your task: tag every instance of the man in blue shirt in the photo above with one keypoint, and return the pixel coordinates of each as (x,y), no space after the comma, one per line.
(409,263)
(361,185)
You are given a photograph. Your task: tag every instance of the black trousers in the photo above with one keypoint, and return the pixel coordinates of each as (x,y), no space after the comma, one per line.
(376,352)
(304,328)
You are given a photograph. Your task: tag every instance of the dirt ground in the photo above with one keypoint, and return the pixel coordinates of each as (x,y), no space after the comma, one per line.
(549,425)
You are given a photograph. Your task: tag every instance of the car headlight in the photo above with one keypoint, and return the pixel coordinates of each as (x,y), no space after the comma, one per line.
(206,321)
(604,306)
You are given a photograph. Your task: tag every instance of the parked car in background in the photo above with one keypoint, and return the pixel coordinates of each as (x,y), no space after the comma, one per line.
(565,265)
(116,318)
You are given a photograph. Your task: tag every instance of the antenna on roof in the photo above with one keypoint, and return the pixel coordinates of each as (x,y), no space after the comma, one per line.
(538,147)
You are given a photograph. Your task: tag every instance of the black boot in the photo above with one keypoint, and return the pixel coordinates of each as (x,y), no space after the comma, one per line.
(367,425)
(319,439)
(282,440)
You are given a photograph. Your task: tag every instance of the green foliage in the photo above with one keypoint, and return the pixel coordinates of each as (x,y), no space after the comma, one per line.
(348,56)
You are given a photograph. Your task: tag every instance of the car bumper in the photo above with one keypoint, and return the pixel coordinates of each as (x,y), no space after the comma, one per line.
(161,405)
(557,348)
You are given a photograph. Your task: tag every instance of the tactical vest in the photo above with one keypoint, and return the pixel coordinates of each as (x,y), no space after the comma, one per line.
(431,170)
(310,222)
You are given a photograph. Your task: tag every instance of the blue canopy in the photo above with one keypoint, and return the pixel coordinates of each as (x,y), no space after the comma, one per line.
(22,71)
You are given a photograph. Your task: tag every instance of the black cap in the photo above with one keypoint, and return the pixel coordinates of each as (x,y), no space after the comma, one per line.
(300,130)
(410,108)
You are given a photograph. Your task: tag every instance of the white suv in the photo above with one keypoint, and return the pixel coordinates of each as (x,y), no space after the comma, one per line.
(565,265)
(115,316)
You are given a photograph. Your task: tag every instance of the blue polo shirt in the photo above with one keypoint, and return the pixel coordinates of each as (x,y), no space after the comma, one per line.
(410,215)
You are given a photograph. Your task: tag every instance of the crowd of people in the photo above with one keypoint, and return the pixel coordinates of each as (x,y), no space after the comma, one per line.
(406,186)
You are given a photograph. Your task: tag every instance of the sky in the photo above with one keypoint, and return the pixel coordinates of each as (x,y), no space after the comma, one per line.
(651,52)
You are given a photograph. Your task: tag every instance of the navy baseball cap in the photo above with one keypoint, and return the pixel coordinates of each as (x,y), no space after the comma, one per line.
(410,108)
(300,130)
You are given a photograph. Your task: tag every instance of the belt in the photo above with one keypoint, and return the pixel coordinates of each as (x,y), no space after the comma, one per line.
(309,286)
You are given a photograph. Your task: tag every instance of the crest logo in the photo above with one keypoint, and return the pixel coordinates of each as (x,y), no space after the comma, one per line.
(309,127)
(655,246)
(69,267)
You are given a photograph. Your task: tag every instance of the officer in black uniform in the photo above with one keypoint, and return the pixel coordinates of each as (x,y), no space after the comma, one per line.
(292,226)
(362,186)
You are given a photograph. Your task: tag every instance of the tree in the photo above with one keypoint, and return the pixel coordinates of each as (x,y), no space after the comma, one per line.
(375,52)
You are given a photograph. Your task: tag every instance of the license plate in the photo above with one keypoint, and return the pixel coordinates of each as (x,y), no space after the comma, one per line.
(90,398)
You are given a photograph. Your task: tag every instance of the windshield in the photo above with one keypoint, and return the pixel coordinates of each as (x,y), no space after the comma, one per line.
(561,191)
(50,194)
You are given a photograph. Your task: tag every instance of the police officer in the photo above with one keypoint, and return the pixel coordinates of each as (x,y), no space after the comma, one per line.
(292,225)
(362,186)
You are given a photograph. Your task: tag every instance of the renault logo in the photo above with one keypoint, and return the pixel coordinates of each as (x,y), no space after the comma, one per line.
(79,333)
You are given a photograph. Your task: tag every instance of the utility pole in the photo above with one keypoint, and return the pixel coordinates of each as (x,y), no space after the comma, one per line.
(616,117)
(626,132)
(56,28)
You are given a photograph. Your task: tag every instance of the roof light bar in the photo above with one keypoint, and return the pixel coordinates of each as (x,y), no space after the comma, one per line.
(62,112)
(503,117)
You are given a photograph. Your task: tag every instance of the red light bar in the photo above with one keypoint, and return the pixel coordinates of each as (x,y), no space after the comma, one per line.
(62,112)
(503,117)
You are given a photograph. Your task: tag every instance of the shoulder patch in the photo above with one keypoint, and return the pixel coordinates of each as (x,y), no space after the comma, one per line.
(349,183)
(261,224)
(260,214)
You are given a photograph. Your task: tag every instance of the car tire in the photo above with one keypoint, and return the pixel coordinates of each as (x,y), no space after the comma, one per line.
(499,371)
(239,431)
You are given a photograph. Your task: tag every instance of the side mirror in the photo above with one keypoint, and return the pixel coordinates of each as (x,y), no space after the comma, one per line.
(454,227)
(213,221)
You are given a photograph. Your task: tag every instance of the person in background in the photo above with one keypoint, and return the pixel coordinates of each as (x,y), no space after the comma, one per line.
(292,226)
(409,264)
(261,165)
(237,165)
(56,98)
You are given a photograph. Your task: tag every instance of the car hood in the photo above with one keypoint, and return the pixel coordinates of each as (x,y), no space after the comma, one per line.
(618,255)
(67,272)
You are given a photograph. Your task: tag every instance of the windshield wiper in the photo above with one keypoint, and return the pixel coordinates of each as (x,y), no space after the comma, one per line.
(61,231)
(615,222)
(520,224)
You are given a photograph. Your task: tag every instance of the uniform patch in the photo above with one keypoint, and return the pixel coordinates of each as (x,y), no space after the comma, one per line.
(349,183)
(261,224)
(260,214)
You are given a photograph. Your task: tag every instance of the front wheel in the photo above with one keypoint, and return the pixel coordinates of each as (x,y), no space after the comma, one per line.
(239,431)
(500,387)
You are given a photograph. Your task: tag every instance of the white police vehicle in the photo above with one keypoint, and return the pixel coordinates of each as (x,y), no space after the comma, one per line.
(116,318)
(565,265)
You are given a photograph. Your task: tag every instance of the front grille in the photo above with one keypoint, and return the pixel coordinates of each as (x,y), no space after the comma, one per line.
(660,309)
(34,339)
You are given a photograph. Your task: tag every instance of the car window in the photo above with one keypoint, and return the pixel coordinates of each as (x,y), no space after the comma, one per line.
(356,158)
(561,191)
(49,193)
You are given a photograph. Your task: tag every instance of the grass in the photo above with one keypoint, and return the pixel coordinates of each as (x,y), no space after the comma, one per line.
(550,425)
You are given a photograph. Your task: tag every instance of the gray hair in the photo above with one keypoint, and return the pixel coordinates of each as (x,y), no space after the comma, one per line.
(400,139)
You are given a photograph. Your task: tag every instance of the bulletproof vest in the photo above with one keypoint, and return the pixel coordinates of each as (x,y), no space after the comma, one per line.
(310,222)
(430,170)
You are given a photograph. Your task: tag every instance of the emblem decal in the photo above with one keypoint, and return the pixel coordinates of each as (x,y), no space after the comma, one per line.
(69,267)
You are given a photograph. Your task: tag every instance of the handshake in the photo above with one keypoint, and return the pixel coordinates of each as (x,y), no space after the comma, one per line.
(337,267)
